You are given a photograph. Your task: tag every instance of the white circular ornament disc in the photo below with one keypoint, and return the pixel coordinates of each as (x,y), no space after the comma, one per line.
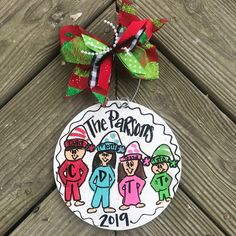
(117,167)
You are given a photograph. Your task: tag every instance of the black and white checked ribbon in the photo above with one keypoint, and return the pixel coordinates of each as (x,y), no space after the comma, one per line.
(94,74)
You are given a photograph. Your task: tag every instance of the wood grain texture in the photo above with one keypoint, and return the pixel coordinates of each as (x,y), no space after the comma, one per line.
(206,137)
(201,40)
(30,126)
(29,36)
(182,217)
(33,120)
(32,123)
(54,218)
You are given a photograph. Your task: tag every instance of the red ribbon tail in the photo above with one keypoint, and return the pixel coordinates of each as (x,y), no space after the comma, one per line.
(76,85)
(101,90)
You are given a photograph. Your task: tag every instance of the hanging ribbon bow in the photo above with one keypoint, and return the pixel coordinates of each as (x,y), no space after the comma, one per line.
(94,58)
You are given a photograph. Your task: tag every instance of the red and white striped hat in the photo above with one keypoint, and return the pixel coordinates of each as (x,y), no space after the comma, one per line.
(79,138)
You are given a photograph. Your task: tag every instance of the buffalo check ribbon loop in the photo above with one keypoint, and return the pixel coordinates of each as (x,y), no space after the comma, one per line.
(94,57)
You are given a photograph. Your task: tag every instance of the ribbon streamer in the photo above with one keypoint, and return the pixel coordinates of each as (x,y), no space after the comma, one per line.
(94,57)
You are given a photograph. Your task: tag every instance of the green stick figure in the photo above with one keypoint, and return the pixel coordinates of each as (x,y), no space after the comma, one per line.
(161,180)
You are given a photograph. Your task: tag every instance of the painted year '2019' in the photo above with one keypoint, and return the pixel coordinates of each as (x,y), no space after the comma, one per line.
(107,220)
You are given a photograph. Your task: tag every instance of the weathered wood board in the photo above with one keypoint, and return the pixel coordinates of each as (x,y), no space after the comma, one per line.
(200,39)
(182,217)
(34,118)
(29,37)
(55,218)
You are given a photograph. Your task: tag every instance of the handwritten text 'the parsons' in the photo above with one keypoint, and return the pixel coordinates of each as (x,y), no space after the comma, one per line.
(128,125)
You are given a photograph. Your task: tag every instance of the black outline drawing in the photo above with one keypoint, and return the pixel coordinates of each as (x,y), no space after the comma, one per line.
(125,105)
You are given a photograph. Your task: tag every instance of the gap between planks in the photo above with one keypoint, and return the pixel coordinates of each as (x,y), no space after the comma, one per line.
(200,41)
(184,69)
(206,213)
(34,208)
(185,220)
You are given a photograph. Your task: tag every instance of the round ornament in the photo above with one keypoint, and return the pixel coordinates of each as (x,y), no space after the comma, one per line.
(117,167)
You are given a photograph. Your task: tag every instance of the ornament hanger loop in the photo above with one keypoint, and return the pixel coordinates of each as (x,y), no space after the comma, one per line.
(123,101)
(126,99)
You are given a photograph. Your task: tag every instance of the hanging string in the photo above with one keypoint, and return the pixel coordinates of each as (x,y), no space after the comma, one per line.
(137,90)
(135,93)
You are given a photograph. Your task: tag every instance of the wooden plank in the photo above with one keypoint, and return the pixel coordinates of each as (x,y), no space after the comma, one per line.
(182,217)
(33,120)
(29,36)
(200,40)
(206,137)
(54,218)
(30,126)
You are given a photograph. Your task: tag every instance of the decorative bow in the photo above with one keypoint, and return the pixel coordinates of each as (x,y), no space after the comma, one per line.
(94,58)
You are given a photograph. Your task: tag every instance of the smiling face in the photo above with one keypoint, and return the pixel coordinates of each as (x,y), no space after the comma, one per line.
(130,166)
(105,157)
(74,154)
(160,168)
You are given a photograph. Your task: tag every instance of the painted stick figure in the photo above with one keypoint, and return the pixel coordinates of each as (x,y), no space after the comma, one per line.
(161,180)
(131,176)
(103,176)
(73,171)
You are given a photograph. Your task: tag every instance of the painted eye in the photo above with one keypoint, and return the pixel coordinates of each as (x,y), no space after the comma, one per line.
(73,151)
(131,163)
(127,163)
(158,166)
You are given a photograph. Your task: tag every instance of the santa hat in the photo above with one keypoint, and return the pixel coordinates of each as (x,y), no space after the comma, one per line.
(78,138)
(111,142)
(163,154)
(134,152)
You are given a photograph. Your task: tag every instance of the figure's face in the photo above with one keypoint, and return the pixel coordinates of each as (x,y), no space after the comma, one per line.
(160,168)
(105,157)
(130,166)
(75,154)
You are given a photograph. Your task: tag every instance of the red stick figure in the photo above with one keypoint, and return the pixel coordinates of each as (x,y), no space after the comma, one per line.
(73,171)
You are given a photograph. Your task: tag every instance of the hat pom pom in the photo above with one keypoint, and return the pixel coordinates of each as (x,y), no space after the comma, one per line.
(173,163)
(120,149)
(146,161)
(91,148)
